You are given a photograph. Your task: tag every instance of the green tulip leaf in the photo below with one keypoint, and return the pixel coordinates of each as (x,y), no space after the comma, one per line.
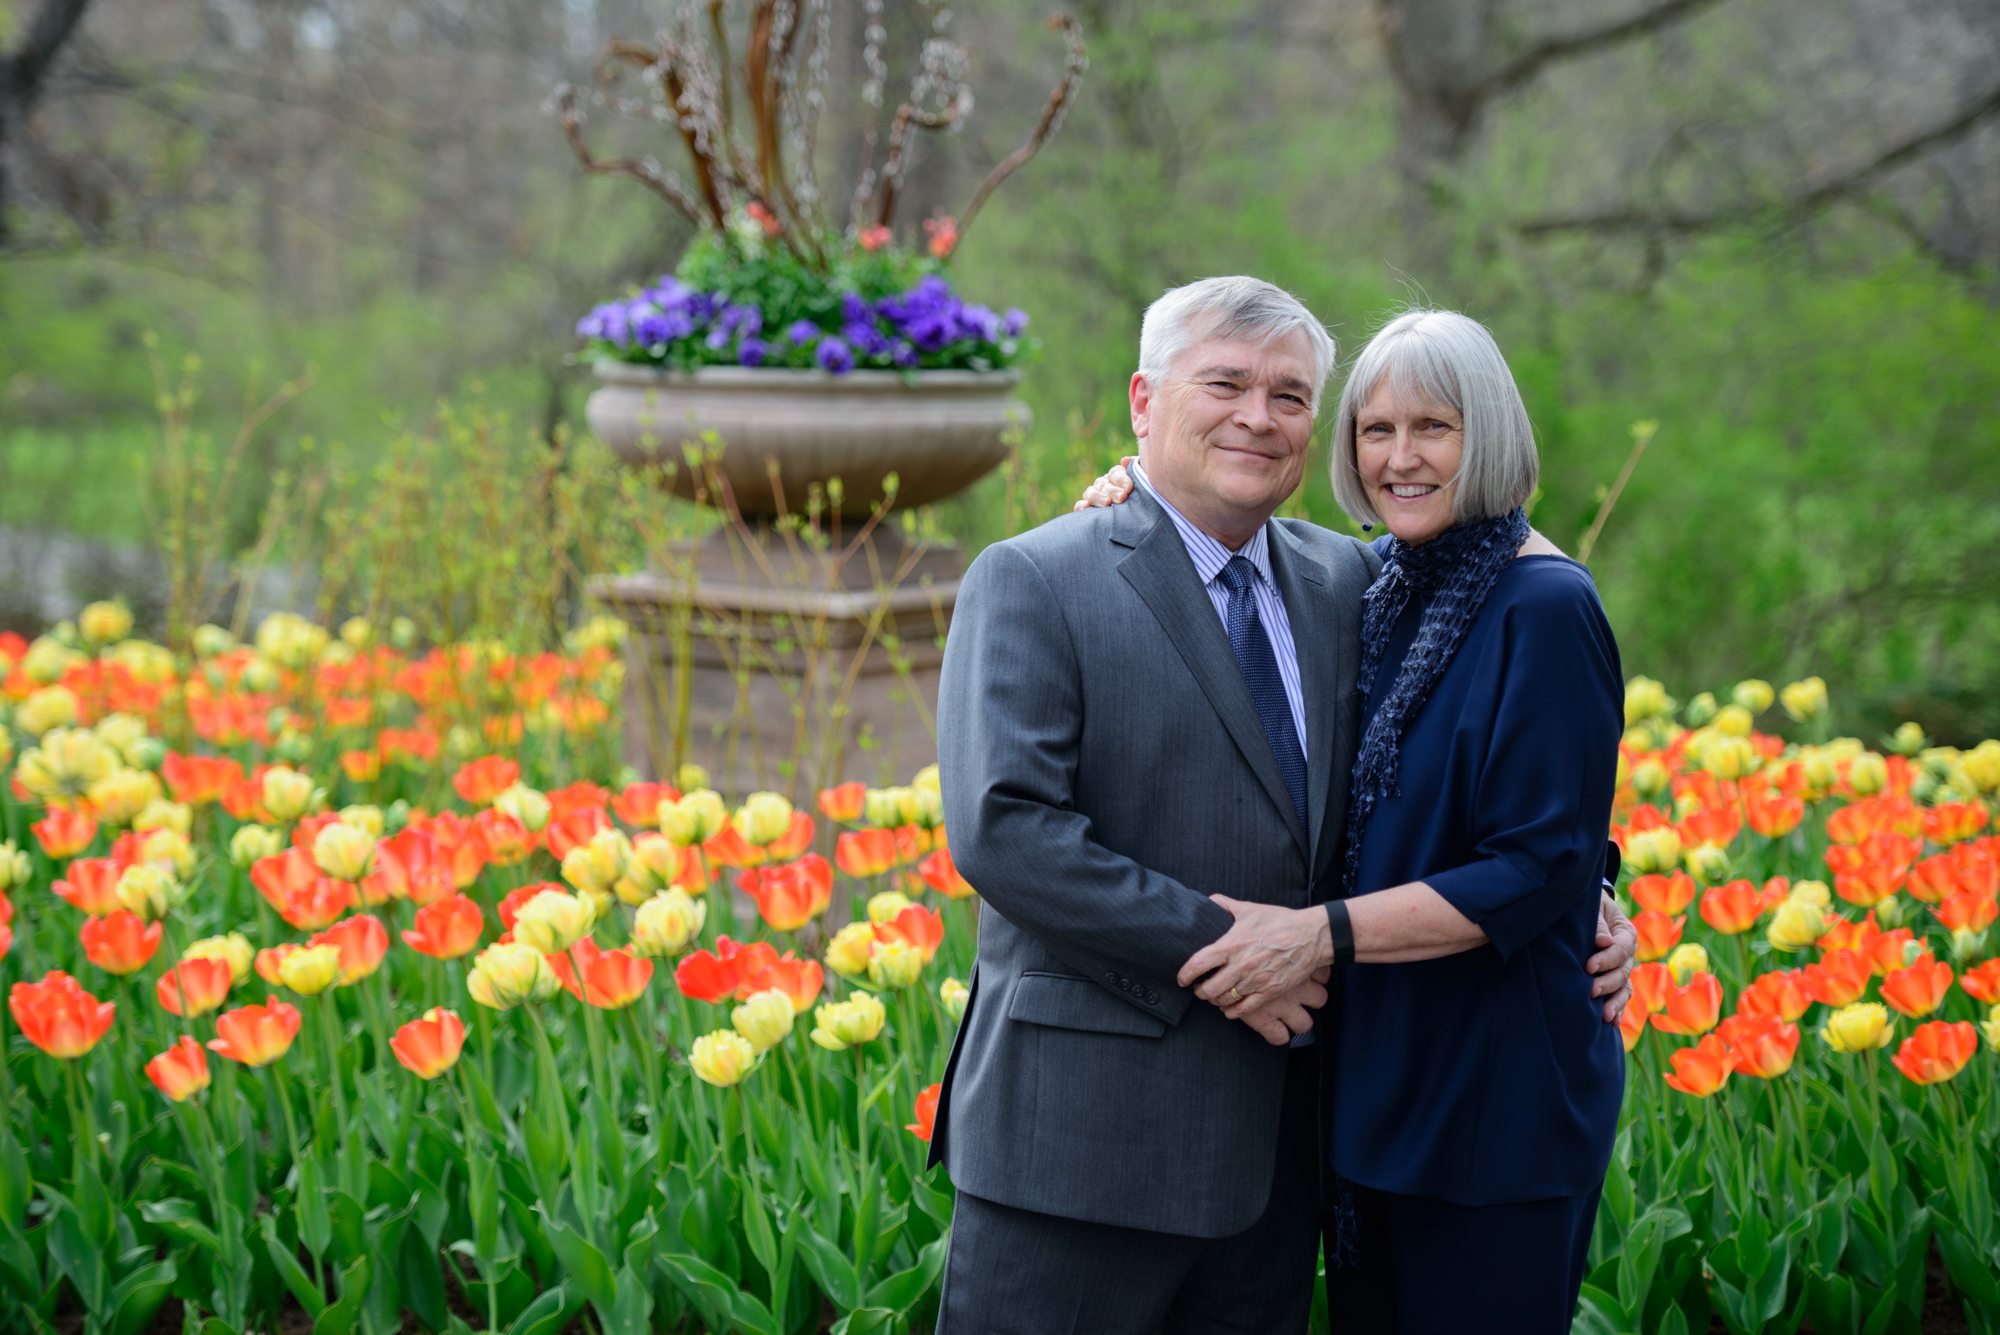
(344,1317)
(138,1296)
(286,1262)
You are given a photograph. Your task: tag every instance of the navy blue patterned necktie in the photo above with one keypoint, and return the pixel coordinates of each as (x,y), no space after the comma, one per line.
(1260,674)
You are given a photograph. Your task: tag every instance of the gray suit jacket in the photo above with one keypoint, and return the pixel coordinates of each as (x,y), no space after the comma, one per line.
(1104,772)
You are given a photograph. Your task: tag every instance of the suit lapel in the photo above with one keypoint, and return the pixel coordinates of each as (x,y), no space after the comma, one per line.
(1161,572)
(1315,639)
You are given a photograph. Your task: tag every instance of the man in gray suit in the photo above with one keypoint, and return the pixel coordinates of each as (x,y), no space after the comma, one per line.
(1144,706)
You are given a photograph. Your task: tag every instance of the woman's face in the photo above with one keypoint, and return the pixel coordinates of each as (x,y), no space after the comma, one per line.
(1408,453)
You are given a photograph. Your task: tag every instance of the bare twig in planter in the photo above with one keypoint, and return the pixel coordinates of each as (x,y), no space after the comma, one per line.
(1642,436)
(1077,62)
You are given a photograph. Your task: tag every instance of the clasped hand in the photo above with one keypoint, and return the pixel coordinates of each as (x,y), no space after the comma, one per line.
(1267,970)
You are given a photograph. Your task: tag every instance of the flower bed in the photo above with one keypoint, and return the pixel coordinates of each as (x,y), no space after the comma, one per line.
(359,982)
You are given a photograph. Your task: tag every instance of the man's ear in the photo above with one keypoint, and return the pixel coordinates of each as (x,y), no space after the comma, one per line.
(1141,395)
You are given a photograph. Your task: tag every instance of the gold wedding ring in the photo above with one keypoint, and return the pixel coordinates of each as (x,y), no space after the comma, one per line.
(1234,993)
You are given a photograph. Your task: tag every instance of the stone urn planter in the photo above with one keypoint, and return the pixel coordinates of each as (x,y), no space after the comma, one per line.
(937,431)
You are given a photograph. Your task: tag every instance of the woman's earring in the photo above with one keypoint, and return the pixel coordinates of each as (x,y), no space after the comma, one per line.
(1367,528)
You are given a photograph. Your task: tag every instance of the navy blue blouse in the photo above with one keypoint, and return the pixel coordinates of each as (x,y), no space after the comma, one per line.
(1491,1076)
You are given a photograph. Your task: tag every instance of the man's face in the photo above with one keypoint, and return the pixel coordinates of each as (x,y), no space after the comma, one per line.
(1224,438)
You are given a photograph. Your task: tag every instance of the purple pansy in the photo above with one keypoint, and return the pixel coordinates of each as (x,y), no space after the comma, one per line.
(833,355)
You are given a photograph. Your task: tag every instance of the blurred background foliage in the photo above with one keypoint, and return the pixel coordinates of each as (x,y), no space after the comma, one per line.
(1770,226)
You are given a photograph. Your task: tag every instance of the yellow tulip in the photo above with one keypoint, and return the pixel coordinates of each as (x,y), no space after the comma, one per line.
(1990,1026)
(885,906)
(698,817)
(954,995)
(552,922)
(1729,757)
(1868,774)
(526,805)
(47,709)
(690,777)
(160,814)
(839,1025)
(765,1019)
(211,640)
(1858,1028)
(1645,698)
(1796,925)
(1814,893)
(104,623)
(1908,739)
(344,852)
(667,924)
(364,817)
(888,808)
(1685,960)
(123,794)
(287,793)
(15,866)
(311,971)
(1707,863)
(1701,710)
(235,947)
(596,867)
(47,659)
(253,842)
(1650,779)
(763,818)
(1652,852)
(122,733)
(1733,721)
(1981,766)
(1804,700)
(653,866)
(723,1058)
(894,965)
(504,976)
(289,639)
(848,953)
(149,891)
(1753,694)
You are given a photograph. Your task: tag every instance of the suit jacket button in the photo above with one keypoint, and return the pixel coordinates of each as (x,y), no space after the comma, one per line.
(1111,978)
(1153,998)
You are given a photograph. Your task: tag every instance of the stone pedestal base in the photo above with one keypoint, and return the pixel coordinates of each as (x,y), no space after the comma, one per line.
(775,666)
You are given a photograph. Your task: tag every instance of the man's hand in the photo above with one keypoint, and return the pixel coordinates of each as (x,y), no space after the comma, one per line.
(1618,940)
(1287,1013)
(1262,959)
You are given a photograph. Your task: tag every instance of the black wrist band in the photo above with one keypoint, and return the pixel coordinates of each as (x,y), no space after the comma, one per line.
(1342,929)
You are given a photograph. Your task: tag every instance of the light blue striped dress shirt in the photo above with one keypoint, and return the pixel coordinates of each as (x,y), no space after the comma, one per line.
(1209,558)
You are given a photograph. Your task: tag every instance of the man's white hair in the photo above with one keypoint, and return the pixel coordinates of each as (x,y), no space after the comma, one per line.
(1234,308)
(1451,361)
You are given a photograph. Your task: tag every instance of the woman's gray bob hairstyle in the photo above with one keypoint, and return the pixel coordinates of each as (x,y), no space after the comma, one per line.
(1230,308)
(1448,359)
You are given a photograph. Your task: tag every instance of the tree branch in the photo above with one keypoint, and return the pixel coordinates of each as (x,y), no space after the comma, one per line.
(1550,50)
(1805,200)
(21,73)
(1076,62)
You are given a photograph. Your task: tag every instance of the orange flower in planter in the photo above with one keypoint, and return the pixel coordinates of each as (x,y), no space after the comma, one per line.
(639,805)
(1781,994)
(181,1071)
(410,866)
(362,941)
(1840,979)
(58,1016)
(1702,1069)
(1936,1052)
(120,942)
(64,834)
(1731,909)
(256,1035)
(1632,1023)
(1650,985)
(195,986)
(926,1110)
(843,802)
(1919,989)
(1658,934)
(940,873)
(1761,1045)
(611,979)
(430,1046)
(865,853)
(1663,894)
(1692,1008)
(1983,983)
(446,930)
(484,779)
(1933,879)
(92,885)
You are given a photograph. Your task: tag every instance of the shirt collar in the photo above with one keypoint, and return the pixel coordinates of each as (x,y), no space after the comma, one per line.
(1209,555)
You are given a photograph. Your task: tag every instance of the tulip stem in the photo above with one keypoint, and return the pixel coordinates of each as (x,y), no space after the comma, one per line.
(83,1127)
(330,1034)
(485,1264)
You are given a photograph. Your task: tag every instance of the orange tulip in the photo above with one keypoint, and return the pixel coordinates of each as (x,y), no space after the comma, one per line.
(793,895)
(1759,1045)
(865,853)
(317,905)
(1936,1052)
(484,779)
(714,977)
(268,962)
(728,849)
(1780,994)
(199,779)
(194,986)
(1691,1008)
(913,841)
(926,1110)
(612,979)
(573,829)
(1965,912)
(801,980)
(1663,894)
(1702,1069)
(1650,985)
(256,1035)
(362,941)
(506,840)
(120,942)
(447,929)
(308,828)
(576,797)
(1840,934)
(362,766)
(516,900)
(1839,979)
(1951,822)
(58,1016)
(1632,1023)
(1869,884)
(1933,879)
(639,805)
(430,1046)
(1731,909)
(64,834)
(281,875)
(1919,989)
(843,802)
(1854,822)
(1890,951)
(1658,934)
(1773,894)
(917,926)
(1983,983)
(796,839)
(410,866)
(1716,825)
(6,940)
(181,1071)
(458,844)
(1978,867)
(1773,816)
(940,873)
(92,885)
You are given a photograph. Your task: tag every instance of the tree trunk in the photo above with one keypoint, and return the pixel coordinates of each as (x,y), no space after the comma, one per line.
(21,76)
